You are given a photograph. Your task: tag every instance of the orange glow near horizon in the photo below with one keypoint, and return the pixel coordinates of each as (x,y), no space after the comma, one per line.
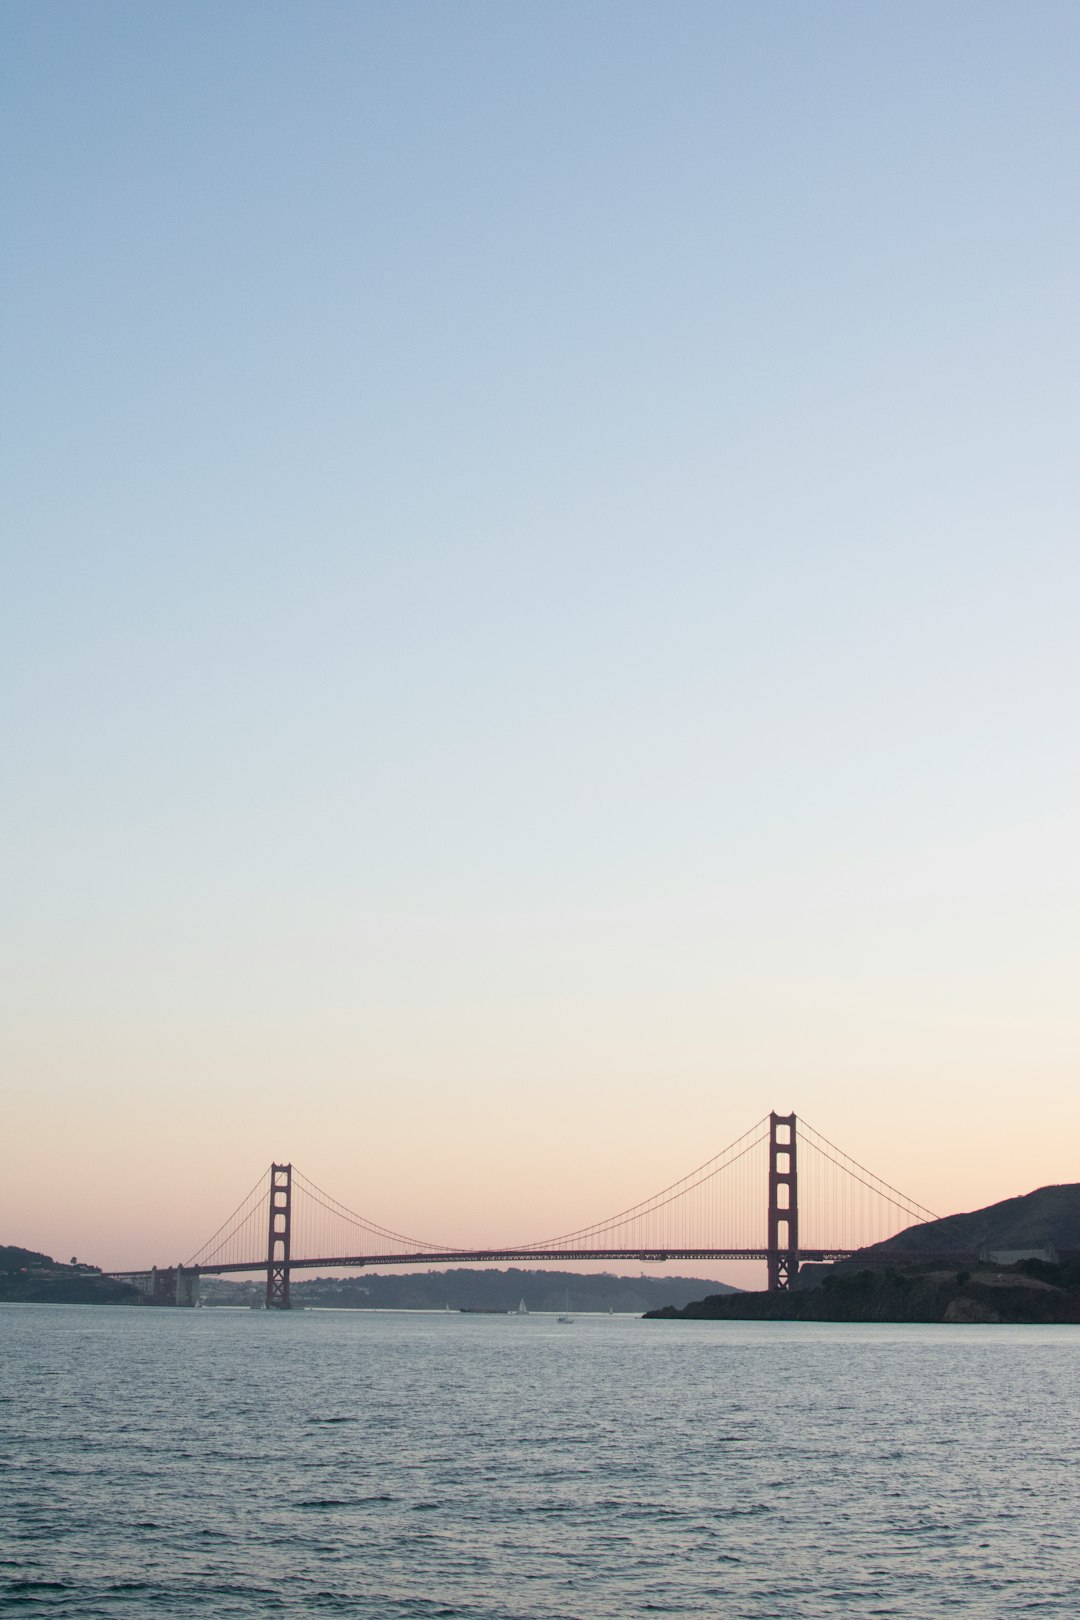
(117,1210)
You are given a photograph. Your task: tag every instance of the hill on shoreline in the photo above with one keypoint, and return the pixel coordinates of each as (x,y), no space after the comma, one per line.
(30,1278)
(1032,1291)
(1049,1217)
(909,1279)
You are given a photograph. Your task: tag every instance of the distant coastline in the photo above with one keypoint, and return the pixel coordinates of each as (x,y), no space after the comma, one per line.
(476,1290)
(29,1277)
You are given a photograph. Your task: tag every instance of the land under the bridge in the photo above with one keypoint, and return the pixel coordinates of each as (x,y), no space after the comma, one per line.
(1030,1291)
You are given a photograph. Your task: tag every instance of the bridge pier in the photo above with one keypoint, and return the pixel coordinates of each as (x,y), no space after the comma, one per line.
(783,1259)
(174,1285)
(279,1238)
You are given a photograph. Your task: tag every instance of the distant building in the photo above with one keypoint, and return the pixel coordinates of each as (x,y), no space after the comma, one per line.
(1010,1257)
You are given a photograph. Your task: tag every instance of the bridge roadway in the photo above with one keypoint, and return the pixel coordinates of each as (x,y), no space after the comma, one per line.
(483,1257)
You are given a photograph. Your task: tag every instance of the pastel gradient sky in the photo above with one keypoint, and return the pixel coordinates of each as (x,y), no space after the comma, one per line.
(539,603)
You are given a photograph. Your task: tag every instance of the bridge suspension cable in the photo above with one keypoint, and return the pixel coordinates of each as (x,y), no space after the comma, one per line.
(854,1209)
(242,1234)
(720,1207)
(319,1234)
(693,1224)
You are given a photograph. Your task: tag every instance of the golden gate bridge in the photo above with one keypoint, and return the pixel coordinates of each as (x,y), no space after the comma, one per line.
(781,1192)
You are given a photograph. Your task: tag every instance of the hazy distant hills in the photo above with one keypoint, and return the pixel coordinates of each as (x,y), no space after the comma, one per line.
(1048,1216)
(487,1290)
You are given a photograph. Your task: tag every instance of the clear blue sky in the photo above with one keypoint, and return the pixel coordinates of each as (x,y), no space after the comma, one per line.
(539,596)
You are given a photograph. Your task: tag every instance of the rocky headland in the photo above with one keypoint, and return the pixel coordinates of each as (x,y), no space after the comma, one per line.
(1032,1291)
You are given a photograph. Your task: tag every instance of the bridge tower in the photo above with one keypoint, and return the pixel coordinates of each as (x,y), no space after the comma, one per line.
(279,1238)
(783,1259)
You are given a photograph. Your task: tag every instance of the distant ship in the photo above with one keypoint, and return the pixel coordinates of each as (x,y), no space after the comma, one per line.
(484,1310)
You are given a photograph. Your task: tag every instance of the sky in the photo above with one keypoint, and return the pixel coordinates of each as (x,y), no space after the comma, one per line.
(538,609)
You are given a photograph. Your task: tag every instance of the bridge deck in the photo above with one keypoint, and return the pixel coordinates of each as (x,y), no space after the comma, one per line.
(486,1257)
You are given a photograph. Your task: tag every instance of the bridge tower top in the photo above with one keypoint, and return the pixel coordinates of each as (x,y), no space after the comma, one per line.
(783,1257)
(279,1238)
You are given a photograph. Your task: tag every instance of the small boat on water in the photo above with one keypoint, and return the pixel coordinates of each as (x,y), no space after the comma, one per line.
(565,1317)
(523,1309)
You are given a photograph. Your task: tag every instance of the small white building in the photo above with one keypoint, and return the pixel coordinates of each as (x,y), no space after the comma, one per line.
(1010,1257)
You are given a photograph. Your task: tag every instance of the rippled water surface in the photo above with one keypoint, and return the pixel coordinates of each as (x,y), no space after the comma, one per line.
(239,1463)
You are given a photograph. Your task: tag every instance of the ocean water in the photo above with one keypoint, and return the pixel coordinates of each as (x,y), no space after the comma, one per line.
(239,1463)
